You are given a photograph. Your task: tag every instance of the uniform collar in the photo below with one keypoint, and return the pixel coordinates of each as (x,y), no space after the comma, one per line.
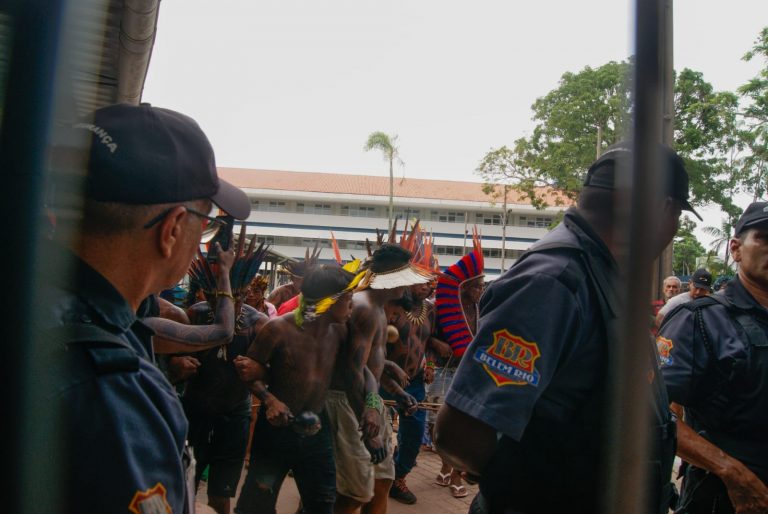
(96,292)
(739,297)
(587,235)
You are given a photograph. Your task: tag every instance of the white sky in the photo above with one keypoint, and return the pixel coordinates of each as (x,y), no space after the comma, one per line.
(299,84)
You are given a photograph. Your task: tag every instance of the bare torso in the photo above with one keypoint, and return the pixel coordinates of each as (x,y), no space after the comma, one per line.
(300,361)
(415,331)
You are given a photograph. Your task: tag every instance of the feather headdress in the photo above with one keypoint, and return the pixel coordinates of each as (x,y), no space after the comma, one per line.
(450,315)
(417,270)
(299,268)
(311,308)
(246,265)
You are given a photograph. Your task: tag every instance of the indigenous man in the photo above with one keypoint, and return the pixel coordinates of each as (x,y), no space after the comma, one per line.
(216,401)
(295,355)
(150,184)
(714,356)
(255,297)
(296,271)
(364,469)
(526,409)
(457,323)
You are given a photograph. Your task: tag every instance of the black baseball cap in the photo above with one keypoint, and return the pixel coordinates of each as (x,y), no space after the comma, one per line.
(702,278)
(147,155)
(601,172)
(755,214)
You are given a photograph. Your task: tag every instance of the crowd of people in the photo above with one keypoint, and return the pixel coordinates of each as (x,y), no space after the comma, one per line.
(152,396)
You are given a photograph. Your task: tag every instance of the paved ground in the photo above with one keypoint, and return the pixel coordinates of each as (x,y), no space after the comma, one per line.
(431,497)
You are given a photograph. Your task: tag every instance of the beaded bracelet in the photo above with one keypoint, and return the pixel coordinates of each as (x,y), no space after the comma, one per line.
(430,364)
(373,401)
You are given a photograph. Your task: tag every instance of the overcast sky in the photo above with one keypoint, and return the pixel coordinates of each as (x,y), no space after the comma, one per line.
(299,85)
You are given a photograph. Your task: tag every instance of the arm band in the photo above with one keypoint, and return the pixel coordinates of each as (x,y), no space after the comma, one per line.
(224,293)
(373,401)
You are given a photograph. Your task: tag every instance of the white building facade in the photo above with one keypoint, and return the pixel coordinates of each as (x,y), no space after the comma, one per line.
(294,210)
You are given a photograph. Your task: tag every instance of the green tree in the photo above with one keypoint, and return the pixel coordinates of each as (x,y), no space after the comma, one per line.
(721,236)
(591,110)
(686,248)
(588,111)
(754,117)
(388,146)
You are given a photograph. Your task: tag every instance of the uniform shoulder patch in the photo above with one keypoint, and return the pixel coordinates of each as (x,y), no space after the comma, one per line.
(664,345)
(151,501)
(510,360)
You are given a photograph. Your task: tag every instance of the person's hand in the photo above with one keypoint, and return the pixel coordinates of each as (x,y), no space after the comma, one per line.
(407,403)
(429,375)
(278,413)
(397,373)
(370,424)
(246,368)
(225,258)
(748,494)
(376,447)
(442,348)
(182,368)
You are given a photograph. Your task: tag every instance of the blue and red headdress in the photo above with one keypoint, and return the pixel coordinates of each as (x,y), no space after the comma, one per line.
(450,315)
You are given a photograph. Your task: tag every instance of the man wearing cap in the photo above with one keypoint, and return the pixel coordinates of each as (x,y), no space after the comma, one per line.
(151,183)
(714,358)
(701,285)
(527,408)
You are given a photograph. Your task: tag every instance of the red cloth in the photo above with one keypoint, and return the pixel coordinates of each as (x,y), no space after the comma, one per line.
(288,306)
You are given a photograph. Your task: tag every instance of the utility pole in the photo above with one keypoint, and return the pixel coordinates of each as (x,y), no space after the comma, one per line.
(504,228)
(663,266)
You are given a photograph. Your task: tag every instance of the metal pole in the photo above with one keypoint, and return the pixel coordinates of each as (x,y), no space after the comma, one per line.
(31,446)
(663,267)
(628,432)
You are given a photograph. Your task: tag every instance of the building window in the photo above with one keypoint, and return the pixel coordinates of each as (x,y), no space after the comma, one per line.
(276,206)
(317,208)
(352,245)
(449,250)
(484,218)
(270,240)
(446,216)
(534,221)
(254,205)
(360,211)
(408,214)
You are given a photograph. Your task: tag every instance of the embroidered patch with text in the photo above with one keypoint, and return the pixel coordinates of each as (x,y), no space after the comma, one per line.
(151,501)
(664,346)
(510,360)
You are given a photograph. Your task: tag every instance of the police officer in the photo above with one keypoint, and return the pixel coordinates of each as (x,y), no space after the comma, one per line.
(151,184)
(526,407)
(714,355)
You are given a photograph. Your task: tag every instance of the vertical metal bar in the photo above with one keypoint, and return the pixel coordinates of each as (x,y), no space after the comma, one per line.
(627,461)
(27,114)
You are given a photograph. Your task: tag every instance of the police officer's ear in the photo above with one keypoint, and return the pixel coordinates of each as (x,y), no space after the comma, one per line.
(734,246)
(171,230)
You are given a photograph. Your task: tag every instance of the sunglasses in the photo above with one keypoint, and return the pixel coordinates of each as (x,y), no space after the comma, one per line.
(211,225)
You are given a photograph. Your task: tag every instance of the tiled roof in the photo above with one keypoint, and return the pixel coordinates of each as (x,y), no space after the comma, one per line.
(365,185)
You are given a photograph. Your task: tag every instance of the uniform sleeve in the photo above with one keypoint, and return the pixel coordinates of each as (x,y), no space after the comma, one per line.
(679,357)
(128,446)
(525,324)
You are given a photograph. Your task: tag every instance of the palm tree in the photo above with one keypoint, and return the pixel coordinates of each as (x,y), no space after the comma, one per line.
(387,145)
(722,236)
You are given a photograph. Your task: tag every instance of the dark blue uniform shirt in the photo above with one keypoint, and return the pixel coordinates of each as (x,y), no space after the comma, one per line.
(539,347)
(725,390)
(537,373)
(124,428)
